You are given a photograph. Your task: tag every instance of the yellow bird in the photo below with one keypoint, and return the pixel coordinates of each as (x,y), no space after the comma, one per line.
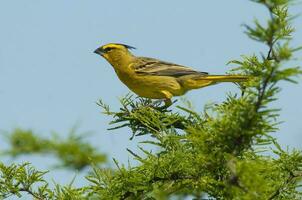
(156,79)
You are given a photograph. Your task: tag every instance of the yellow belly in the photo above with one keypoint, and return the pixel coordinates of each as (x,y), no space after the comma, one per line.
(151,86)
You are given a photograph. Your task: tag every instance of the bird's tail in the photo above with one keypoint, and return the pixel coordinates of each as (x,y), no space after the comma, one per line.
(206,80)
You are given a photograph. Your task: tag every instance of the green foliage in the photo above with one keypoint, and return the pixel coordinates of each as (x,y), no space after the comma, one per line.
(15,179)
(216,152)
(72,152)
(143,115)
(20,179)
(225,152)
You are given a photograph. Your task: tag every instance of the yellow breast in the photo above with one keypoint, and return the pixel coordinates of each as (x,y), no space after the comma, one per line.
(150,86)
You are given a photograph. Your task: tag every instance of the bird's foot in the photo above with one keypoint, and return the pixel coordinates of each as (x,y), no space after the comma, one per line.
(157,104)
(167,104)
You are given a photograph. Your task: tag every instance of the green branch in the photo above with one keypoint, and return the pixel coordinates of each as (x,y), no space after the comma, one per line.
(72,152)
(227,151)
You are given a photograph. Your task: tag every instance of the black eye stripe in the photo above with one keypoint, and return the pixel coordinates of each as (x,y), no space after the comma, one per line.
(108,49)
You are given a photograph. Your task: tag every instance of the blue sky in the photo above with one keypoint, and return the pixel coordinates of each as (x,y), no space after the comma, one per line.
(50,78)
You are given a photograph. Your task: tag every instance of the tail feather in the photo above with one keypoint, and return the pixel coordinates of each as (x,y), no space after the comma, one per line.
(223,78)
(203,81)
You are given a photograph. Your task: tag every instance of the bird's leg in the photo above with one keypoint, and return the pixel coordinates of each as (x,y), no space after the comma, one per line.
(167,99)
(168,103)
(156,103)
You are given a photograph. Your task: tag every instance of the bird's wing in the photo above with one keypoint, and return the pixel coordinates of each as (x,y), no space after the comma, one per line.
(151,66)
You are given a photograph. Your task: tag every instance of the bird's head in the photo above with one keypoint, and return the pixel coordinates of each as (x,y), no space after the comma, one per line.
(114,51)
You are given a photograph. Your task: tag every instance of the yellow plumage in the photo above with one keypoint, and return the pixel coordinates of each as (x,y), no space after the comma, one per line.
(155,79)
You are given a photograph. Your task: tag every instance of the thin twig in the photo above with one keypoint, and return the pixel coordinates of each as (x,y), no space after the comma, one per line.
(31,193)
(278,191)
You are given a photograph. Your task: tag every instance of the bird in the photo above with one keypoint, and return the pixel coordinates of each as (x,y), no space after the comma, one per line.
(156,79)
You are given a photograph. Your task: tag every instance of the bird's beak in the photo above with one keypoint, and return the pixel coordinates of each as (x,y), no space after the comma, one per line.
(99,51)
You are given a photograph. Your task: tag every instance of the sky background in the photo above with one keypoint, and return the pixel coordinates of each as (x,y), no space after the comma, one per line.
(50,78)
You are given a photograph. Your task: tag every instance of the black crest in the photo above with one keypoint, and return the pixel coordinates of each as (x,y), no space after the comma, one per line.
(127,46)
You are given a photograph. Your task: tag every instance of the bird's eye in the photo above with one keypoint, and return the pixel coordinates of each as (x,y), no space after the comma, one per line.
(108,49)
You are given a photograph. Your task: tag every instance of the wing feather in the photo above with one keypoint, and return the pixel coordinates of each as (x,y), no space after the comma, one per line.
(151,66)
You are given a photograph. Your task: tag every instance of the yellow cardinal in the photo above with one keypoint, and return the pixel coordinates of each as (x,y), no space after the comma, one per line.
(156,79)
